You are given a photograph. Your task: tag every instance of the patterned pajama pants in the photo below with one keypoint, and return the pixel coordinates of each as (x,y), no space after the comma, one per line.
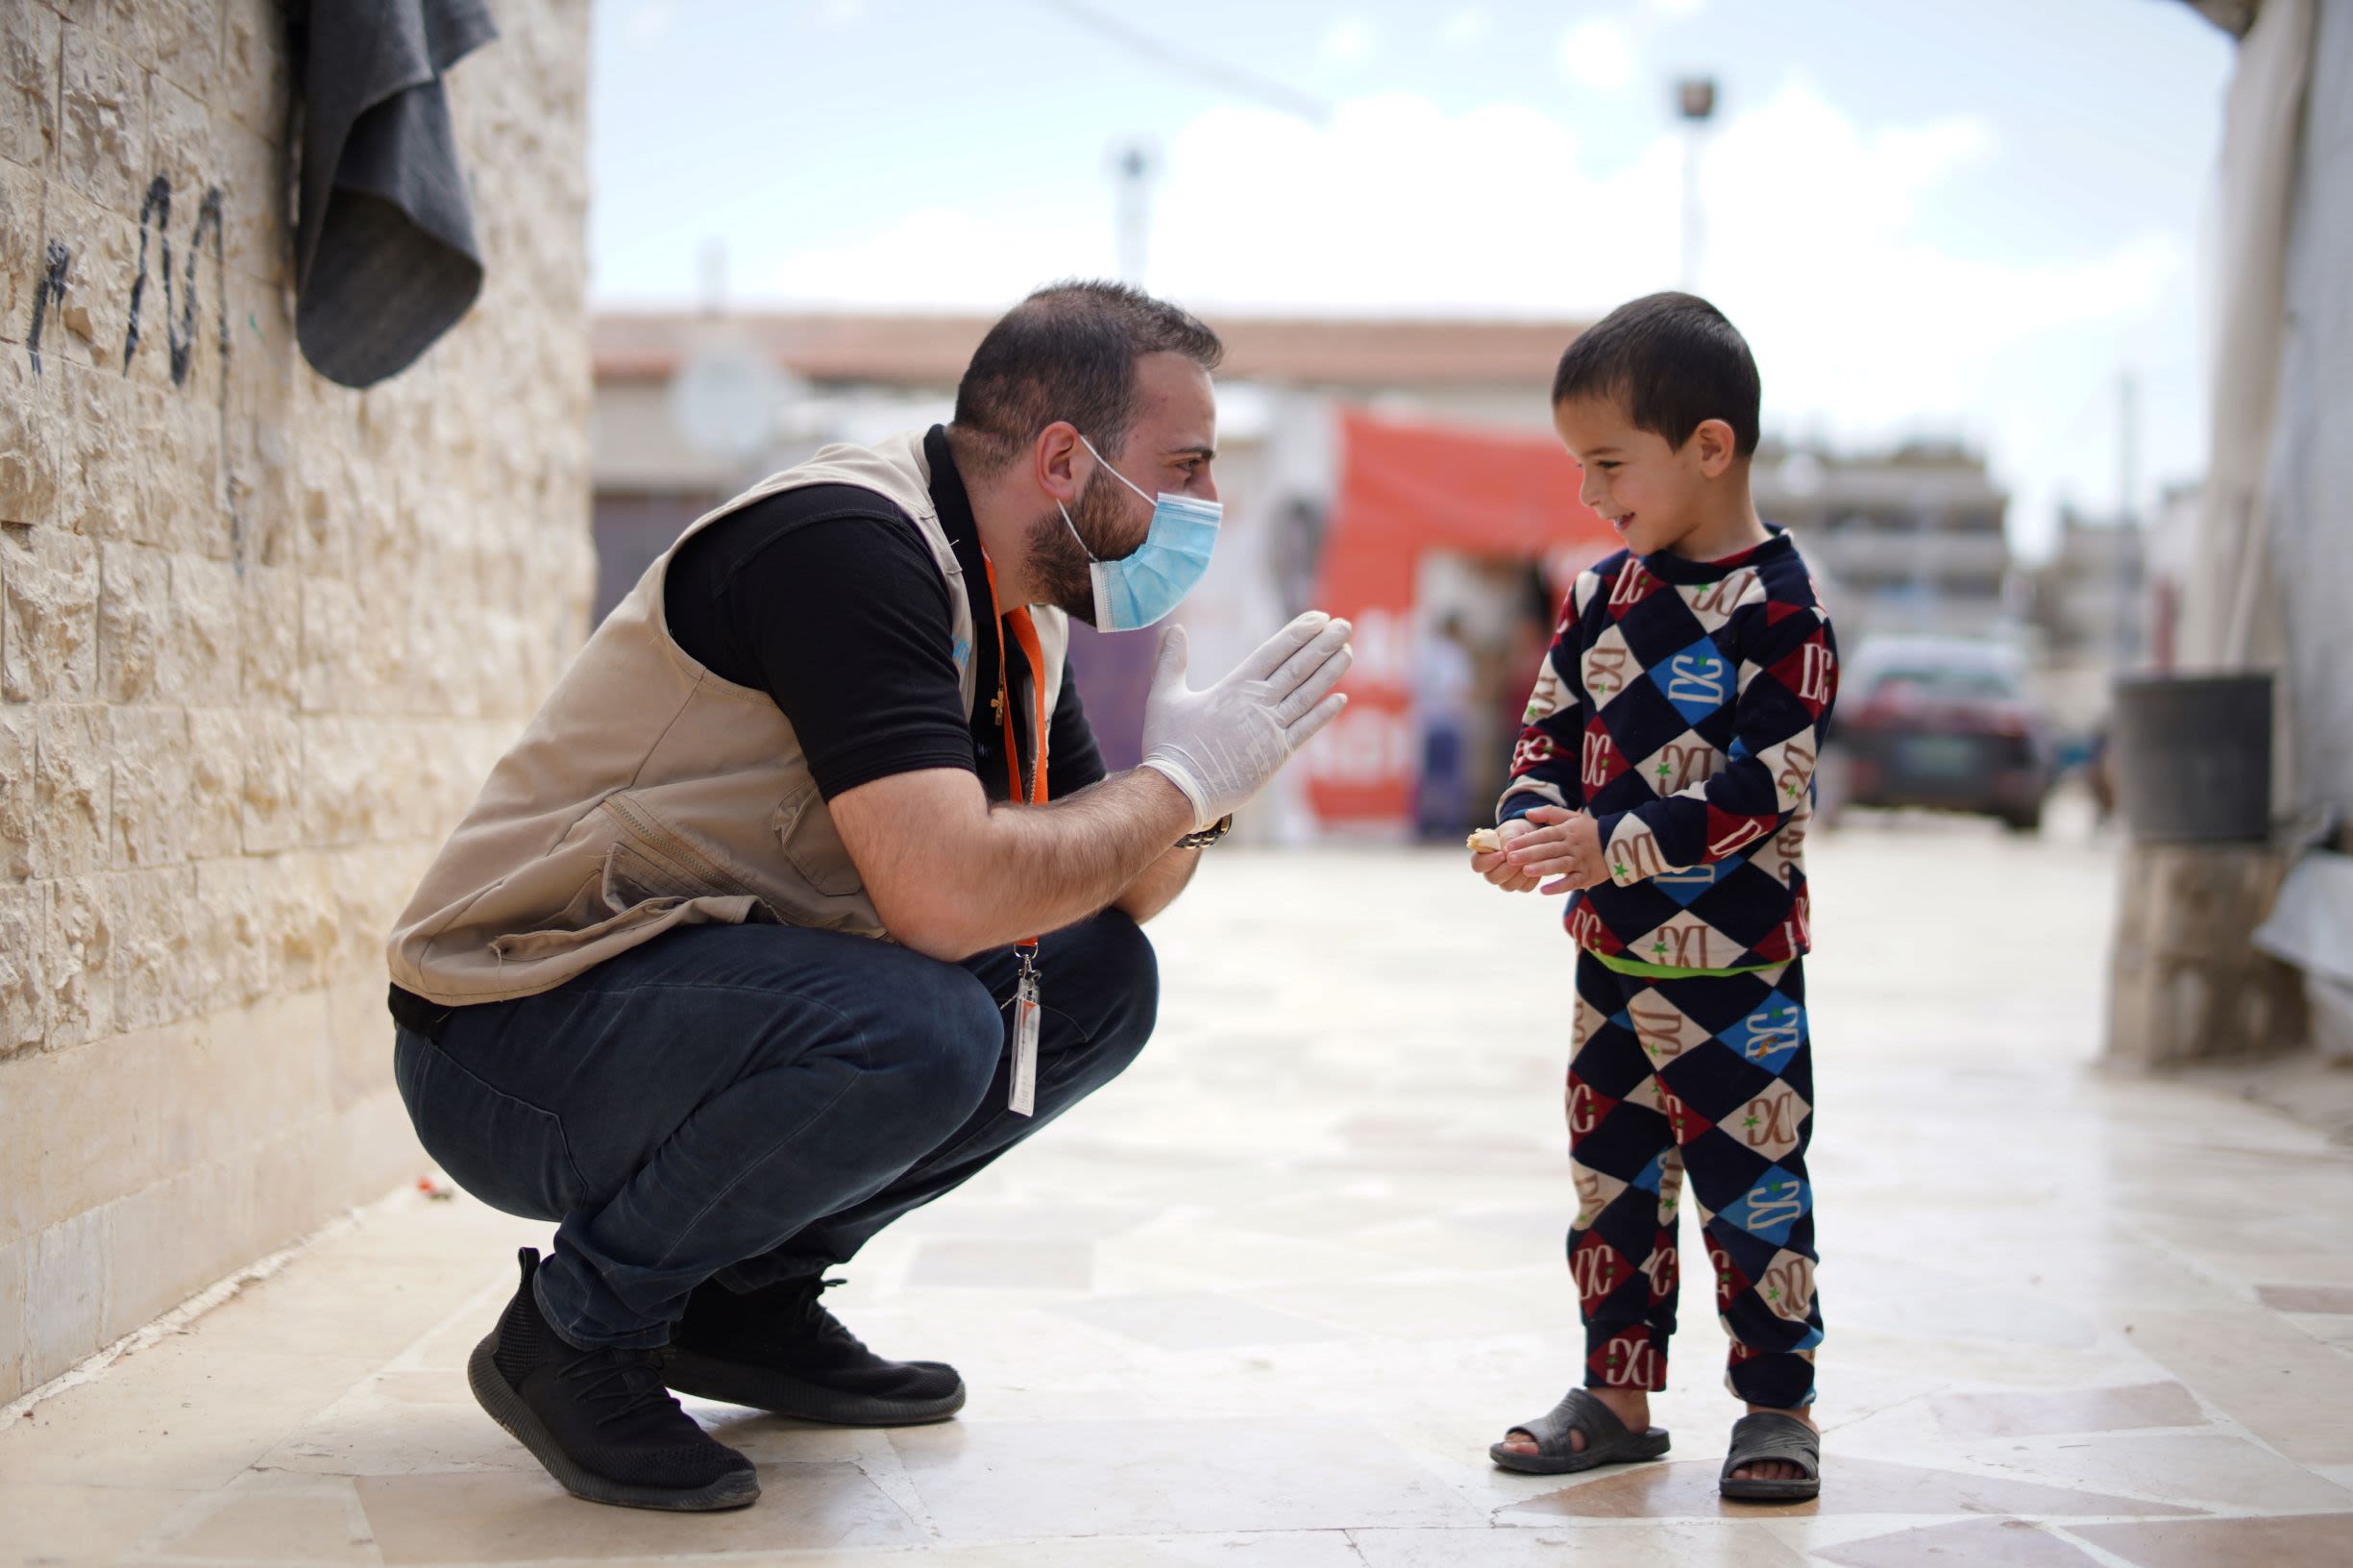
(1707,1079)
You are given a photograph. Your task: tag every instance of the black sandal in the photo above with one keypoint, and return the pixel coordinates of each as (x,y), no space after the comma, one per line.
(1607,1440)
(1770,1435)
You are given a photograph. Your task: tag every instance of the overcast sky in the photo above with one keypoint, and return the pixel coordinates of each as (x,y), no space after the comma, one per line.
(1959,217)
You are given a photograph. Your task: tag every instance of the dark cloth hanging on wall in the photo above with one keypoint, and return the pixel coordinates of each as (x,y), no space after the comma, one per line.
(385,258)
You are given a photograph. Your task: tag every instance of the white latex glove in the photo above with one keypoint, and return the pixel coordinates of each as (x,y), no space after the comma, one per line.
(1221,745)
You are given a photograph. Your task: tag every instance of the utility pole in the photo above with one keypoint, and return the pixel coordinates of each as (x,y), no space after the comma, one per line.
(2127,445)
(2129,543)
(1695,101)
(713,279)
(1133,167)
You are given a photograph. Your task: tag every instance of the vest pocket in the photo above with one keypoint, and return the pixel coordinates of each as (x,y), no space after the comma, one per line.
(656,859)
(629,879)
(805,830)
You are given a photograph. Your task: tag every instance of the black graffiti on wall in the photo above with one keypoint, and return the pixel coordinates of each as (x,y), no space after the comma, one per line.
(179,291)
(182,310)
(179,326)
(51,289)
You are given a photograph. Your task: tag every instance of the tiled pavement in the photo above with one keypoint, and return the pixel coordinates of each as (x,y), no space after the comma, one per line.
(1265,1300)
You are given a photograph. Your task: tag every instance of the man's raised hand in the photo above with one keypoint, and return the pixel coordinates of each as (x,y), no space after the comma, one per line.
(1220,745)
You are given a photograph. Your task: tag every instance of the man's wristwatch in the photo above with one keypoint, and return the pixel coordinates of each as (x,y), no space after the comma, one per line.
(1209,835)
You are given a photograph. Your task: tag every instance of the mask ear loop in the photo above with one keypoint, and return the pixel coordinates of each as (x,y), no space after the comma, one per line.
(1074,533)
(1115,473)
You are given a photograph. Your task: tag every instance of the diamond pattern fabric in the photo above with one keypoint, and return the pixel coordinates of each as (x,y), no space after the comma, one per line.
(1683,704)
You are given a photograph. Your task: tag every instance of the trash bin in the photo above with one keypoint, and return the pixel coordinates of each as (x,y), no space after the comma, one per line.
(2192,757)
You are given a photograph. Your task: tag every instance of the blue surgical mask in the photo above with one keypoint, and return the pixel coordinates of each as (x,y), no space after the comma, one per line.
(1133,593)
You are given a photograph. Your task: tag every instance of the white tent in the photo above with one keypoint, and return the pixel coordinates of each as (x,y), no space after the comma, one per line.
(2231,614)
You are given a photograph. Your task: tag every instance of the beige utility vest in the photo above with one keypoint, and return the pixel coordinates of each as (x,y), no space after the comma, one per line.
(648,793)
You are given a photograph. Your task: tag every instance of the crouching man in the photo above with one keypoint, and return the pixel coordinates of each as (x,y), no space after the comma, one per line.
(807,895)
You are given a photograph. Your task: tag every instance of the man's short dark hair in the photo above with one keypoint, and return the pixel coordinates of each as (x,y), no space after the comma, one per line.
(1068,352)
(1672,362)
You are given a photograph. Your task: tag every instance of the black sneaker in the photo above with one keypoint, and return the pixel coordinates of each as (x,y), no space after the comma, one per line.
(777,1349)
(601,1420)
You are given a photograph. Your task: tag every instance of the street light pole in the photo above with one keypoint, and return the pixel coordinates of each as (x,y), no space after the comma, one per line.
(1695,102)
(2125,544)
(1134,166)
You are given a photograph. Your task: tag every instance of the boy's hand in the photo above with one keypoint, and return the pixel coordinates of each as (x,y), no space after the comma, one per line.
(1496,865)
(1562,844)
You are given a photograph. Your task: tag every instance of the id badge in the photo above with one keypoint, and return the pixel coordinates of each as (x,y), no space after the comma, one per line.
(1025,1020)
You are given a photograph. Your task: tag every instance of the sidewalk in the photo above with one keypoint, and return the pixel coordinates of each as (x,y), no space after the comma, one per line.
(1265,1300)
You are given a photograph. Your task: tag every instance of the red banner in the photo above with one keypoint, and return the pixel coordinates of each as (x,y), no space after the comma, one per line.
(1406,488)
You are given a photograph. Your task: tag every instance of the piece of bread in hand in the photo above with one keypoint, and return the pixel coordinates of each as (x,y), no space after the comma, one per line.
(1485,840)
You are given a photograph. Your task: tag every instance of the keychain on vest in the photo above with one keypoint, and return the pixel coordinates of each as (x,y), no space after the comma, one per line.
(1026,1009)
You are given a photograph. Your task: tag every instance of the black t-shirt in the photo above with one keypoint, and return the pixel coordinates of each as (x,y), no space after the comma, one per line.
(827,597)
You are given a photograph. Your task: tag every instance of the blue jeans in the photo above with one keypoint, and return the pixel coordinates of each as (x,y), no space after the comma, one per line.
(752,1102)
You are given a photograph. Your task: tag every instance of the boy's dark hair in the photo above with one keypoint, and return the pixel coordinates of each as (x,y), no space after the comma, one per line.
(1070,352)
(1672,361)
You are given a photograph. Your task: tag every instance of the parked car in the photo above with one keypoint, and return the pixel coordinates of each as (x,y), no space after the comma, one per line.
(1940,721)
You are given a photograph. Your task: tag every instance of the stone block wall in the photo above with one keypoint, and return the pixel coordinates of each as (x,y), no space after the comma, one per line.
(260,636)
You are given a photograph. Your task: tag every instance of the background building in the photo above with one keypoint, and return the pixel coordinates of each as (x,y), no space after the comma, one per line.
(1910,539)
(857,377)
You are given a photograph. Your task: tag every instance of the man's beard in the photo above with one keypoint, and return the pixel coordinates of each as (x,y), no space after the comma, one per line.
(1058,568)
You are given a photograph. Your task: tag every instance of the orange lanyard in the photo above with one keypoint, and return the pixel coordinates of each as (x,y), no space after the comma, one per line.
(1024,634)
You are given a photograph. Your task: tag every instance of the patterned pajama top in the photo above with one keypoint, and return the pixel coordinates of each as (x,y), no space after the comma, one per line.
(1683,704)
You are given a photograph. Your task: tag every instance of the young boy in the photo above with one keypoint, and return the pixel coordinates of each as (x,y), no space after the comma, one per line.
(1665,781)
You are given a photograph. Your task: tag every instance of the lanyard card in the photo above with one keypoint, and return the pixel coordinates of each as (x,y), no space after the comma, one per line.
(1025,1021)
